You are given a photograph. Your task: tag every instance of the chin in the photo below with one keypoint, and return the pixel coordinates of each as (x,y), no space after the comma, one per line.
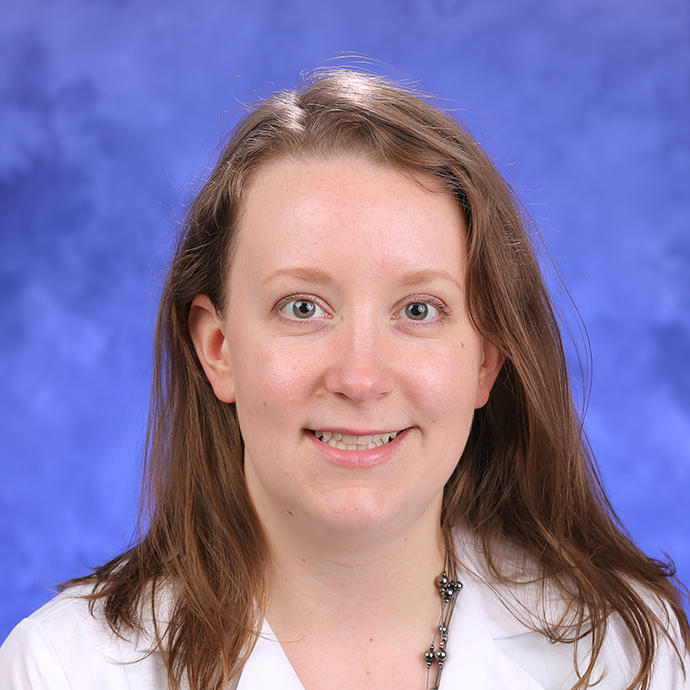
(361,511)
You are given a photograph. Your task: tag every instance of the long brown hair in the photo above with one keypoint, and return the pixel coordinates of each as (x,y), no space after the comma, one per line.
(526,476)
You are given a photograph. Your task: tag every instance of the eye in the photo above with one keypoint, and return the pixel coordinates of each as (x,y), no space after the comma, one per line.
(421,311)
(301,309)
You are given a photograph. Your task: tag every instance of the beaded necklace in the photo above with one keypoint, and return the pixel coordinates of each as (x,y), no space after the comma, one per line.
(448,588)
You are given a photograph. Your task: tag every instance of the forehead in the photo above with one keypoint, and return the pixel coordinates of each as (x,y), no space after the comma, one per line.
(339,209)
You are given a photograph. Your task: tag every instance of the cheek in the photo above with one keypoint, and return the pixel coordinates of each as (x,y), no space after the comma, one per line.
(269,377)
(446,378)
(267,402)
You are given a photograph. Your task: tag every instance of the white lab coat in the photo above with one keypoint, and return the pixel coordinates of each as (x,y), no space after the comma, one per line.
(62,646)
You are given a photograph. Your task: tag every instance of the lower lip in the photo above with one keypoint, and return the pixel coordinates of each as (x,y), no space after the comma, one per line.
(358,458)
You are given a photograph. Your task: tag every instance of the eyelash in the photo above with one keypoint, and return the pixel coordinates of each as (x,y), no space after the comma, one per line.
(413,299)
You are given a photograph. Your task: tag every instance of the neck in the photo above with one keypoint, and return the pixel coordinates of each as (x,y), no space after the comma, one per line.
(350,583)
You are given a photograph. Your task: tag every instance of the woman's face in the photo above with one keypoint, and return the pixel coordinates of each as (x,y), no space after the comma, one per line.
(346,319)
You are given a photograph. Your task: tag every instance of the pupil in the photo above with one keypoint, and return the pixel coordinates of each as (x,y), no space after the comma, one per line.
(303,308)
(417,310)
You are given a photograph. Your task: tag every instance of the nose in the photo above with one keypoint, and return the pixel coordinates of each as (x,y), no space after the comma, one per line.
(361,359)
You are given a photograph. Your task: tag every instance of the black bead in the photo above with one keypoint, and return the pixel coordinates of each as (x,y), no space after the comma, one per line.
(443,629)
(429,656)
(441,655)
(443,581)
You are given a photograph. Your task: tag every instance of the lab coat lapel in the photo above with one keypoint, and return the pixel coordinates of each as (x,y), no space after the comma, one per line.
(474,659)
(268,667)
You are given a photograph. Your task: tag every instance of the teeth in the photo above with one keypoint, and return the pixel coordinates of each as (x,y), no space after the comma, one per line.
(350,442)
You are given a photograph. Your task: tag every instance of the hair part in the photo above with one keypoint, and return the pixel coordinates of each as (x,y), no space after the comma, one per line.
(526,477)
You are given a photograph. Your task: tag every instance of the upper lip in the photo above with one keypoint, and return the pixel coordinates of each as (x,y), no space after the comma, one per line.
(357,432)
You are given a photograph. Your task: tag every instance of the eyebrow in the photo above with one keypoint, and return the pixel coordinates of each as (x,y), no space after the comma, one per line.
(427,276)
(315,275)
(312,275)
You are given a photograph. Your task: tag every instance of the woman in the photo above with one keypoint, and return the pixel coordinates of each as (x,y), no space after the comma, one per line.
(364,464)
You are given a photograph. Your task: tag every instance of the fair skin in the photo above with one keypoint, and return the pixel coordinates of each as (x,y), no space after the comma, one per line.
(346,314)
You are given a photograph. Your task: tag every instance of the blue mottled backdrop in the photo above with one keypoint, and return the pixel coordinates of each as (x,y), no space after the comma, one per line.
(110,113)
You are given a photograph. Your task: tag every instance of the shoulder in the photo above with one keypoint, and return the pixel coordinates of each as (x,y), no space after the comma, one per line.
(671,665)
(552,663)
(65,645)
(513,614)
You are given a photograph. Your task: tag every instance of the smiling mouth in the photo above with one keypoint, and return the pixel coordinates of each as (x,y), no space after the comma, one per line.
(350,442)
